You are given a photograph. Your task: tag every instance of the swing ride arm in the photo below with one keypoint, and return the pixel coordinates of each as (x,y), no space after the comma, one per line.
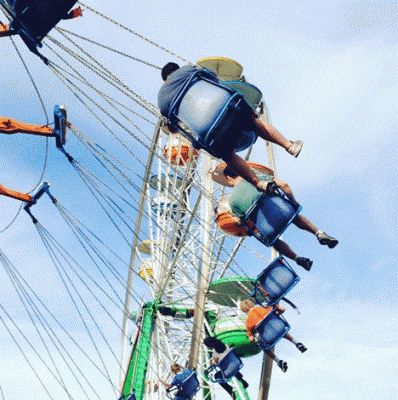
(14,194)
(10,126)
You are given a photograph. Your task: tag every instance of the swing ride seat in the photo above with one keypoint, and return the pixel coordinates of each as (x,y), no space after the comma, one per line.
(271,330)
(186,390)
(277,279)
(250,92)
(253,97)
(226,368)
(206,113)
(271,215)
(32,20)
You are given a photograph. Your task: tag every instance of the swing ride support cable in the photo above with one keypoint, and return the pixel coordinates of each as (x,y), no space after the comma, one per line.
(204,271)
(136,237)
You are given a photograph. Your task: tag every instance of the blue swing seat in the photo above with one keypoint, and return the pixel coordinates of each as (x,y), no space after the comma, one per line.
(206,112)
(253,97)
(277,279)
(186,390)
(226,368)
(33,19)
(271,330)
(271,215)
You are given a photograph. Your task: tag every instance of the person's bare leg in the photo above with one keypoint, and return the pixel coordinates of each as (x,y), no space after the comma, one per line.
(289,337)
(305,224)
(299,345)
(241,168)
(271,354)
(266,131)
(285,188)
(283,248)
(281,364)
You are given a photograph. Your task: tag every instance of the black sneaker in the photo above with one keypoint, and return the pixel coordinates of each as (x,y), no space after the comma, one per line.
(245,384)
(324,238)
(306,263)
(282,365)
(301,347)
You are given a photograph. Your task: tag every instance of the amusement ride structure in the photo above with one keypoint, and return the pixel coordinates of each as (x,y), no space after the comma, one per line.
(174,278)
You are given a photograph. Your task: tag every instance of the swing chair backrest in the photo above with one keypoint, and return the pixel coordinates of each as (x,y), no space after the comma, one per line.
(271,215)
(250,92)
(253,97)
(204,111)
(187,389)
(226,368)
(277,279)
(271,330)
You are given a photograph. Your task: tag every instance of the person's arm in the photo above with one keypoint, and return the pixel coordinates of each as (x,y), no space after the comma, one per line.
(249,331)
(168,129)
(262,290)
(165,383)
(279,309)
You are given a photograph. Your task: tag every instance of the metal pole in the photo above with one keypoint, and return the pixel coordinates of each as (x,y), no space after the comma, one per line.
(266,371)
(204,270)
(135,240)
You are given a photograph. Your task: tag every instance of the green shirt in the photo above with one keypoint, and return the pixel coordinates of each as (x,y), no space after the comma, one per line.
(244,195)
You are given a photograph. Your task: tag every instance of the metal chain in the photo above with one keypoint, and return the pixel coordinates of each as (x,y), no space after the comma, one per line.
(108,48)
(136,34)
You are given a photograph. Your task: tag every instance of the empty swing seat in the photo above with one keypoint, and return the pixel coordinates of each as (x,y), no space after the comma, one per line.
(271,215)
(226,368)
(277,279)
(186,390)
(271,330)
(207,114)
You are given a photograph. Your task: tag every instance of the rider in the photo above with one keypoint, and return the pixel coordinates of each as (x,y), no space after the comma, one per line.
(220,349)
(257,313)
(174,79)
(245,191)
(180,375)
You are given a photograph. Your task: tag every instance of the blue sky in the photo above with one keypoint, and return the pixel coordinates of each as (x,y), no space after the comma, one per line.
(328,75)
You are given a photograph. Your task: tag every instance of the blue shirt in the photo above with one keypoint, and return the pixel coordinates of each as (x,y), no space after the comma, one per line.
(179,378)
(173,85)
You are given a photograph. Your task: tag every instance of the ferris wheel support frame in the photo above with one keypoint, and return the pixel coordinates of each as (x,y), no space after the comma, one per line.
(204,270)
(161,291)
(129,284)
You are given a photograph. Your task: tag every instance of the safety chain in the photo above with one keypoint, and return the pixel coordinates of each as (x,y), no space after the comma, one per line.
(108,48)
(136,34)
